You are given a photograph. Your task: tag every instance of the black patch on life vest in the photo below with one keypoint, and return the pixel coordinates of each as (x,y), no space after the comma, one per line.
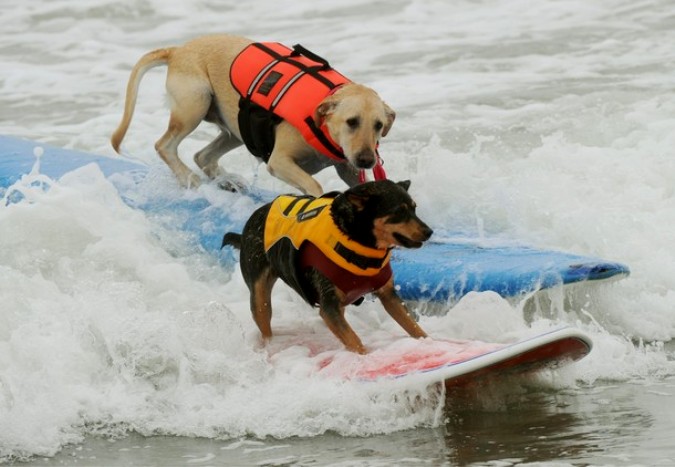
(305,216)
(269,82)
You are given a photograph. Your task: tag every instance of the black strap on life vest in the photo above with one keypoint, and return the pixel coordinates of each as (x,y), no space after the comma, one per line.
(298,50)
(328,144)
(308,199)
(363,262)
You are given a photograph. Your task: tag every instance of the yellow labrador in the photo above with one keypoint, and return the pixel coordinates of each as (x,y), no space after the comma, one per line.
(200,87)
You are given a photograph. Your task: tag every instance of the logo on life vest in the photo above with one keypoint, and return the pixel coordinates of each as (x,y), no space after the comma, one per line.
(305,216)
(267,85)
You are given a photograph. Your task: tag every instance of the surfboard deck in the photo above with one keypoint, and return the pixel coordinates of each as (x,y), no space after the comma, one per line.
(455,363)
(423,362)
(441,271)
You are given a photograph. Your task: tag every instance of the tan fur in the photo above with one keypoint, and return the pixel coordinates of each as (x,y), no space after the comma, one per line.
(384,232)
(393,305)
(199,88)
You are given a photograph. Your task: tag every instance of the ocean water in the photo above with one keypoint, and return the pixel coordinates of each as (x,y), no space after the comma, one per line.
(550,123)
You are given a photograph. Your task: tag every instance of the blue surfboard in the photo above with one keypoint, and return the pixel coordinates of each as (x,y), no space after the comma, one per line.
(441,271)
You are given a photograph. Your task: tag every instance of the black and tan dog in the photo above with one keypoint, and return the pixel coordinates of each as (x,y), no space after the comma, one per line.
(332,250)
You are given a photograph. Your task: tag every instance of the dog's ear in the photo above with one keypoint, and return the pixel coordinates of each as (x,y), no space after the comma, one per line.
(358,201)
(325,108)
(391,116)
(405,184)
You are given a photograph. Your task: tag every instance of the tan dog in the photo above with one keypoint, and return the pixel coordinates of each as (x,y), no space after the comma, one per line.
(199,87)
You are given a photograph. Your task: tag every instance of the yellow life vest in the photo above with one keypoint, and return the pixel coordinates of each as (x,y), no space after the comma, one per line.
(306,219)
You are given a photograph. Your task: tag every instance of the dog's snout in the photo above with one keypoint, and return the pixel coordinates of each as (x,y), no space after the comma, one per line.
(427,232)
(365,159)
(423,231)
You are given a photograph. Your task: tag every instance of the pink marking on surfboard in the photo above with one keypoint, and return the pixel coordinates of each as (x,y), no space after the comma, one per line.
(394,361)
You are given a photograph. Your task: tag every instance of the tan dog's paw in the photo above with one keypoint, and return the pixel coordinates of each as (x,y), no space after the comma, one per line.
(189,179)
(213,171)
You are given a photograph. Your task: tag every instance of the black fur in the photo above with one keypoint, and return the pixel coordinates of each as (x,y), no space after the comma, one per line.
(233,239)
(355,212)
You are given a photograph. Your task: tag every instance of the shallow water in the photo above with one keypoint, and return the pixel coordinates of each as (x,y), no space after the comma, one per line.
(548,123)
(609,424)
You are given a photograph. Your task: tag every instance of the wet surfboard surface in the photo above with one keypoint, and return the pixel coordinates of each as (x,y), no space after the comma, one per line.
(441,271)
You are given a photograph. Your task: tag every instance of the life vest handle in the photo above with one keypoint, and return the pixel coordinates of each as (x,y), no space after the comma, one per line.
(300,50)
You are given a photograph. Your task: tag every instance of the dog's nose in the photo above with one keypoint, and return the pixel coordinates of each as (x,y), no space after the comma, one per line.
(365,159)
(427,232)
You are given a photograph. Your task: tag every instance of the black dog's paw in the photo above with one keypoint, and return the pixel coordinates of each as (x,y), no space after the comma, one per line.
(228,186)
(233,184)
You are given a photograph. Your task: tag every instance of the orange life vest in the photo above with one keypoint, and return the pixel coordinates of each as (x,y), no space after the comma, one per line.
(304,234)
(289,84)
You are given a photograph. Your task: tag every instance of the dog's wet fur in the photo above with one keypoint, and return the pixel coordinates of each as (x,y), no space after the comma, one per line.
(377,214)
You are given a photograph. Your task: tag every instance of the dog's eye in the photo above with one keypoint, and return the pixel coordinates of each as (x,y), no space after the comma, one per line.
(400,214)
(353,122)
(378,125)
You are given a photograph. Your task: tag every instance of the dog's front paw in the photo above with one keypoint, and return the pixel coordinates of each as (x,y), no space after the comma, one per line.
(187,178)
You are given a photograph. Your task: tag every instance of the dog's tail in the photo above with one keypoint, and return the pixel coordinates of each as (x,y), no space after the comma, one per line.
(233,239)
(150,60)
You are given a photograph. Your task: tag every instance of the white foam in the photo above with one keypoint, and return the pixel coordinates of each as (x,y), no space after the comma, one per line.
(550,123)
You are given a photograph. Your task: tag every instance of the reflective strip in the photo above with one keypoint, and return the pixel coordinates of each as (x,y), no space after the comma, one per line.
(286,88)
(257,79)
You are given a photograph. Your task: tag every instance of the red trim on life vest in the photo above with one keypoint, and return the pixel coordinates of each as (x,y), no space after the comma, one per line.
(352,285)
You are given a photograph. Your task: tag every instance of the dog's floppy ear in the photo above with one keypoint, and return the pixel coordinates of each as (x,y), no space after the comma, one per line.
(405,184)
(391,116)
(325,108)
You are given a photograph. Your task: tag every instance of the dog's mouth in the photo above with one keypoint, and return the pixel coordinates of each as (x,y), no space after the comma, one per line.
(364,159)
(406,242)
(364,164)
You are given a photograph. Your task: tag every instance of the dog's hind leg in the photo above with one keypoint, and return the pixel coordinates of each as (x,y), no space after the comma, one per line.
(167,147)
(207,157)
(190,102)
(261,302)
